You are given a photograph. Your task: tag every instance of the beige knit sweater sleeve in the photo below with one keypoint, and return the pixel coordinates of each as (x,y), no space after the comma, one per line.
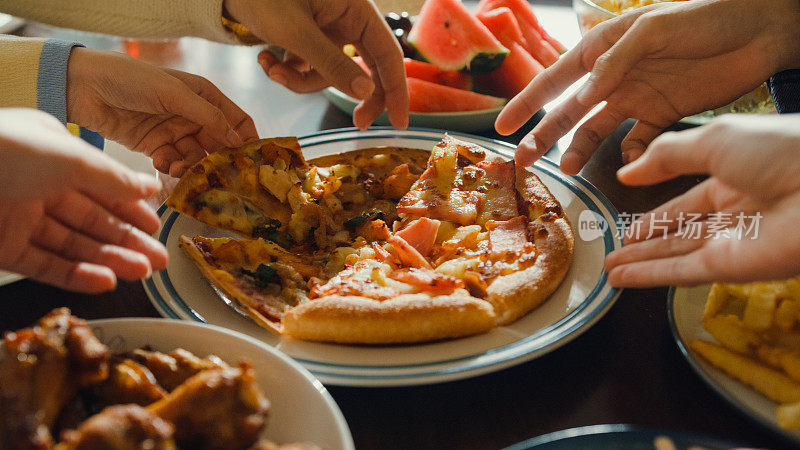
(19,66)
(130,18)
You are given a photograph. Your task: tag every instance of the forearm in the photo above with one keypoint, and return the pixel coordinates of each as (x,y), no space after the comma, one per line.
(33,74)
(140,18)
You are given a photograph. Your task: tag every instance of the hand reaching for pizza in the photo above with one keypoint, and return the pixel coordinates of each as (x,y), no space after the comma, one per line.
(70,215)
(656,64)
(174,117)
(315,31)
(753,163)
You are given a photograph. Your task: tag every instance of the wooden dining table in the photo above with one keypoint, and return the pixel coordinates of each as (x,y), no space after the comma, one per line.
(625,369)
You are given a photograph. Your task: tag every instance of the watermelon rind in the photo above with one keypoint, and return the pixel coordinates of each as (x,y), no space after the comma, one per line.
(478,63)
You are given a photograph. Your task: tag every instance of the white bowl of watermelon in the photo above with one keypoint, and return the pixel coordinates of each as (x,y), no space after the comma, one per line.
(461,66)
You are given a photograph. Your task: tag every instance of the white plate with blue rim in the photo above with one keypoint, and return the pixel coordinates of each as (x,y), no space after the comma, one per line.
(622,437)
(584,296)
(684,312)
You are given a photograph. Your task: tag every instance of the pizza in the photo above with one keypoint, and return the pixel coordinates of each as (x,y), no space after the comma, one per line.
(379,245)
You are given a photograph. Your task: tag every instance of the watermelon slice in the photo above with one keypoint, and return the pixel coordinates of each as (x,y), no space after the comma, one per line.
(446,35)
(429,72)
(538,47)
(525,16)
(517,71)
(503,25)
(425,96)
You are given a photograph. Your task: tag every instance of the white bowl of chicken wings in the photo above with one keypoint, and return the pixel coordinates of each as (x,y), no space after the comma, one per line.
(157,384)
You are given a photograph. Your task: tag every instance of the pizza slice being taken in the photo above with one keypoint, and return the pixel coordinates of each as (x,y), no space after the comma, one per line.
(244,190)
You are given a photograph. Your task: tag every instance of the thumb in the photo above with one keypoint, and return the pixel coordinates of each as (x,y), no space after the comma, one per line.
(328,59)
(180,100)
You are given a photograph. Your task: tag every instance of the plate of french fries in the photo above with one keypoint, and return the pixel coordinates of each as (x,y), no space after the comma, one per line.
(744,341)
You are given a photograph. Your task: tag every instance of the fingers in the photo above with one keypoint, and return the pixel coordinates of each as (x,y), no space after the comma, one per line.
(139,214)
(657,248)
(690,210)
(241,122)
(670,155)
(683,270)
(164,156)
(45,266)
(696,201)
(553,125)
(182,101)
(288,75)
(712,260)
(329,60)
(611,67)
(637,140)
(108,181)
(366,112)
(543,88)
(71,245)
(190,152)
(588,137)
(380,49)
(83,215)
(568,69)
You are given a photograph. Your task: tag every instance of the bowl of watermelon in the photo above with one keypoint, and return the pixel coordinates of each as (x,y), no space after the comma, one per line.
(462,66)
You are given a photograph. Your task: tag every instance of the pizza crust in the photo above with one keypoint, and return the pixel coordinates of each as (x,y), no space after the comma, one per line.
(516,294)
(404,319)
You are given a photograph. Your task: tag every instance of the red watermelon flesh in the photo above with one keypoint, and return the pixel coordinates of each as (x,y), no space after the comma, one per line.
(448,36)
(503,25)
(425,96)
(517,71)
(538,47)
(429,72)
(524,14)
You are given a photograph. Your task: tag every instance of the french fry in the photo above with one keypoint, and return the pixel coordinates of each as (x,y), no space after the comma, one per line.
(786,314)
(741,291)
(789,340)
(780,358)
(789,416)
(760,310)
(769,382)
(793,288)
(732,334)
(769,355)
(717,299)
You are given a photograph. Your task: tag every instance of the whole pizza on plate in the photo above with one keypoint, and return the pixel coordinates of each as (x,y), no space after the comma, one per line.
(378,245)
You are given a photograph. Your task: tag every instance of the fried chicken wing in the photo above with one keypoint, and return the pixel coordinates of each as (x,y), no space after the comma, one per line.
(216,409)
(41,369)
(120,427)
(128,382)
(173,369)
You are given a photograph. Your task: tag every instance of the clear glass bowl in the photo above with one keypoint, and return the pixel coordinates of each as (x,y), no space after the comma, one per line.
(758,101)
(590,14)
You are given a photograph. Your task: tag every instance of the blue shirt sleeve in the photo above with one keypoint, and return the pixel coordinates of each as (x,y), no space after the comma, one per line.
(785,90)
(51,95)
